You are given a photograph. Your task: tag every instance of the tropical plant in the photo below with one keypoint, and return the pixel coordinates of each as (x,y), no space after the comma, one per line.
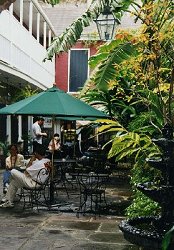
(150,77)
(24,93)
(135,147)
(167,239)
(136,71)
(3,149)
(103,91)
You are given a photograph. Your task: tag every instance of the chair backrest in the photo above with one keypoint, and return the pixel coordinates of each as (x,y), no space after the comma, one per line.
(43,176)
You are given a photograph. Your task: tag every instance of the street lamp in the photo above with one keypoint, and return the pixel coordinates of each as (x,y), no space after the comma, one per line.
(106,23)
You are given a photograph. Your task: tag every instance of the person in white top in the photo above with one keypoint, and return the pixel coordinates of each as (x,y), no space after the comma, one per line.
(37,133)
(29,177)
(12,161)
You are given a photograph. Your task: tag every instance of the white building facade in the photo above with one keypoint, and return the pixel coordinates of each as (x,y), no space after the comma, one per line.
(25,34)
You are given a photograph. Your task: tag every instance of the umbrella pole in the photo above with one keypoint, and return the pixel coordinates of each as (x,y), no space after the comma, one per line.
(74,148)
(52,163)
(52,180)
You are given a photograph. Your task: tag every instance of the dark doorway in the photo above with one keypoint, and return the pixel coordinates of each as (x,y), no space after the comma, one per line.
(78,69)
(14,129)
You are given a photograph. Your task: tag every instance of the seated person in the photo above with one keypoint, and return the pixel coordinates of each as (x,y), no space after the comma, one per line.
(27,179)
(13,160)
(54,146)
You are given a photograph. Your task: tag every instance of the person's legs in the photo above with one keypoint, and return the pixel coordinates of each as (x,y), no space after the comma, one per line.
(35,144)
(6,180)
(18,180)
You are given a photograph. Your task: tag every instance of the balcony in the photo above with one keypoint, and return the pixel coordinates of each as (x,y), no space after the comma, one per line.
(22,54)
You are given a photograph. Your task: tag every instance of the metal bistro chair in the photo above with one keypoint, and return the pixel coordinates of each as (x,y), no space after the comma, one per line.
(37,196)
(92,192)
(60,177)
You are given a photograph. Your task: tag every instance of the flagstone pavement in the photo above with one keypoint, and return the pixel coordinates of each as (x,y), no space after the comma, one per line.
(61,229)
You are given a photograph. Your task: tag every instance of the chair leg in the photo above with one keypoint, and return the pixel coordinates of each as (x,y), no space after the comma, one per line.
(82,204)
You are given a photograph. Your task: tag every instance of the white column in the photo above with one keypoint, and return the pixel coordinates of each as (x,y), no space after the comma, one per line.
(49,37)
(45,34)
(21,11)
(30,122)
(30,17)
(38,26)
(8,125)
(19,128)
(11,36)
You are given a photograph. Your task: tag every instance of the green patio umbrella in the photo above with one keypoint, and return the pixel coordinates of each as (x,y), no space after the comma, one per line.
(54,102)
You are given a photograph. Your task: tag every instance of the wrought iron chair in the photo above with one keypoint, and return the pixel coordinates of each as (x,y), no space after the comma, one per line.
(60,177)
(92,192)
(38,195)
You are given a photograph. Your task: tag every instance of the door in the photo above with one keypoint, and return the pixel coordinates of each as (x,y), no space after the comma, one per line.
(78,71)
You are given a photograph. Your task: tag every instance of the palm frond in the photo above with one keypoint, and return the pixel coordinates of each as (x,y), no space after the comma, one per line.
(103,52)
(108,125)
(131,144)
(70,36)
(167,239)
(106,70)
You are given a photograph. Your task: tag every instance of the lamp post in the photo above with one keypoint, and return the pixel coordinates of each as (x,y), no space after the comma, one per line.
(106,23)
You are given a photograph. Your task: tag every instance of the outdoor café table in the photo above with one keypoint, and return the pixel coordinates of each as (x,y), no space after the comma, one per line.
(61,166)
(64,165)
(92,191)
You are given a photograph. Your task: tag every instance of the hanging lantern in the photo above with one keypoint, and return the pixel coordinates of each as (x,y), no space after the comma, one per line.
(106,23)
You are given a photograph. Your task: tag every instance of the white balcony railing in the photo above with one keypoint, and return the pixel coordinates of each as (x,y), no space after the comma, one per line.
(21,51)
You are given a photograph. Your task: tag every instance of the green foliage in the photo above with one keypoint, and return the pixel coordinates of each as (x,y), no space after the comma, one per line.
(141,173)
(140,123)
(105,49)
(142,206)
(102,98)
(106,70)
(135,148)
(24,93)
(52,2)
(167,239)
(133,80)
(70,36)
(4,148)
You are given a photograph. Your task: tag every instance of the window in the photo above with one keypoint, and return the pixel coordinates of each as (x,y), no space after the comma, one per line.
(78,71)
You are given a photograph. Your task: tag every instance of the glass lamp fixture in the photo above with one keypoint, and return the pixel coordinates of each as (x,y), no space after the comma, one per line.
(106,23)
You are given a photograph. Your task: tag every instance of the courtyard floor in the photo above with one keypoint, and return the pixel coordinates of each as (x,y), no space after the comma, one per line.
(61,229)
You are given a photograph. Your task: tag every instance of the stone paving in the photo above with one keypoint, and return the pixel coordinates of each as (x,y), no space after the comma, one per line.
(61,229)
